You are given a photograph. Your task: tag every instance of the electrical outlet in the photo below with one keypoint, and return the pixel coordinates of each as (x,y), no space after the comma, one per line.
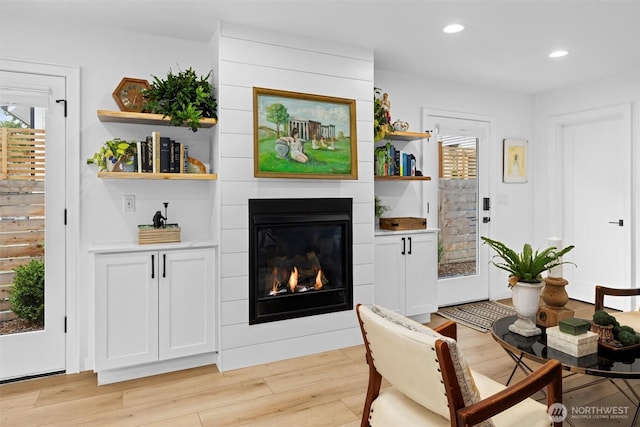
(129,203)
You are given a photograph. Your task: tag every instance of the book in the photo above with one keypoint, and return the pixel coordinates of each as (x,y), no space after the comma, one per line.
(165,154)
(172,156)
(181,159)
(175,160)
(186,158)
(147,148)
(155,153)
(139,156)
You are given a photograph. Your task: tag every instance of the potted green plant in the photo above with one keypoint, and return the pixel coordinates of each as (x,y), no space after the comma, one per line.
(525,279)
(183,97)
(115,155)
(380,208)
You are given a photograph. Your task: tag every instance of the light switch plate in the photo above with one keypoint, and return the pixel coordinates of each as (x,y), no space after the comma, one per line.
(128,203)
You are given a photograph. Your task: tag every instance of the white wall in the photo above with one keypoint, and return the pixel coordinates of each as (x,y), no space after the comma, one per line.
(249,58)
(512,116)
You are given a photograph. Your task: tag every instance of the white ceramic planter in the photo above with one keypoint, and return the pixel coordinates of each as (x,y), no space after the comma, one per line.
(526,300)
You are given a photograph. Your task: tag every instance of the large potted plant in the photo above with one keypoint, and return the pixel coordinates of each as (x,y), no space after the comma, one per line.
(183,97)
(525,279)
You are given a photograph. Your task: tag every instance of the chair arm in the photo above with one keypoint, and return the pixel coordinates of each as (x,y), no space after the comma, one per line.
(448,329)
(601,291)
(549,374)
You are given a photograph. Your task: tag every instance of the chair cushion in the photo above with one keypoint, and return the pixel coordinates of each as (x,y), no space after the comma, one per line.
(393,408)
(629,318)
(535,413)
(470,392)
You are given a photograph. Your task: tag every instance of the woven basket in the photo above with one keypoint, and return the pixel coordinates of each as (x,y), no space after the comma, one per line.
(605,333)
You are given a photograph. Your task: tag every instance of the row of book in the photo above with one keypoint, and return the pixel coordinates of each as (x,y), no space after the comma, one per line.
(392,162)
(161,154)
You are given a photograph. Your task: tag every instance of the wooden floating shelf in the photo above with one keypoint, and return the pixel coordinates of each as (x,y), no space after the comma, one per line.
(174,176)
(144,118)
(402,178)
(408,135)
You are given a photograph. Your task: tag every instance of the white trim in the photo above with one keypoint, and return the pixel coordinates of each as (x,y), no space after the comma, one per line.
(72,191)
(555,186)
(488,124)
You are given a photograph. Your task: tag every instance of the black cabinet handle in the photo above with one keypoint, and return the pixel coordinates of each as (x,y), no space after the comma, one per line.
(164,265)
(153,267)
(404,246)
(409,245)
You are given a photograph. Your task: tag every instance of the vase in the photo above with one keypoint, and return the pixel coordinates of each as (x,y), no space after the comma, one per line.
(554,293)
(526,301)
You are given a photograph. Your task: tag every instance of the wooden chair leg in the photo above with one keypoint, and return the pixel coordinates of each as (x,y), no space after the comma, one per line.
(373,390)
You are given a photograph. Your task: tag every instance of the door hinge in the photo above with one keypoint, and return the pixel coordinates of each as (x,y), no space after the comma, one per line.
(65,217)
(63,101)
(65,324)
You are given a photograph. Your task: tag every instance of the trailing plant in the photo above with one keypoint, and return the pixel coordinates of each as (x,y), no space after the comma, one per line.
(381,116)
(183,97)
(111,151)
(27,294)
(526,266)
(380,208)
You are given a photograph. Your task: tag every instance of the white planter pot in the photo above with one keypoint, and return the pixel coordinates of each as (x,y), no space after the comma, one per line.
(526,300)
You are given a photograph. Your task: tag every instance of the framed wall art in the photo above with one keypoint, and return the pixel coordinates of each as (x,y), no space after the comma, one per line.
(514,160)
(299,135)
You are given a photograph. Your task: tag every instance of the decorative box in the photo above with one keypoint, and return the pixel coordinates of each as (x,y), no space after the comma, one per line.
(575,345)
(148,234)
(574,326)
(403,223)
(587,361)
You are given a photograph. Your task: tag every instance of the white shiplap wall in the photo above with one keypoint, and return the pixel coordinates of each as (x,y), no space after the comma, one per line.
(249,57)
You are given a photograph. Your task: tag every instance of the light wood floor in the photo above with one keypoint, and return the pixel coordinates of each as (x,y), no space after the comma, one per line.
(325,389)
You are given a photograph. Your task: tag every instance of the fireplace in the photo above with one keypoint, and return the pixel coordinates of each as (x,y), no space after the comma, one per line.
(300,258)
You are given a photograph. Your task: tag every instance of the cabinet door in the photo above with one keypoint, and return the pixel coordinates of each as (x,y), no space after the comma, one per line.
(187,321)
(421,274)
(126,309)
(389,273)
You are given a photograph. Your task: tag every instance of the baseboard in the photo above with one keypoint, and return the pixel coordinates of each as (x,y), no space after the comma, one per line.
(110,376)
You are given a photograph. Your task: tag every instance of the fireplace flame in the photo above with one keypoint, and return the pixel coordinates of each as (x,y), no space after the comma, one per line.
(276,282)
(318,284)
(293,279)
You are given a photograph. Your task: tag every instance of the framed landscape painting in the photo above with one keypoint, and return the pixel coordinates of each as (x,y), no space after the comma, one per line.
(299,135)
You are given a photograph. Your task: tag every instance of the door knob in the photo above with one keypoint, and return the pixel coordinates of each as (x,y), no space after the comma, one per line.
(486,219)
(619,222)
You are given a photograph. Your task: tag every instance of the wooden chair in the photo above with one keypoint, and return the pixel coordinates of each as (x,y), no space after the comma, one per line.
(628,318)
(431,384)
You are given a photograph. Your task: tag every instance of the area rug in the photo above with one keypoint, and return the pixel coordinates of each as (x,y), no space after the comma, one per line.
(477,315)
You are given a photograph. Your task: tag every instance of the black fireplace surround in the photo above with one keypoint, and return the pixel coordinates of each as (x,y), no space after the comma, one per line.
(300,257)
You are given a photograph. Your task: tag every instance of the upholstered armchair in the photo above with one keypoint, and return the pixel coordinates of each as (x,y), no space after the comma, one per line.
(432,385)
(628,318)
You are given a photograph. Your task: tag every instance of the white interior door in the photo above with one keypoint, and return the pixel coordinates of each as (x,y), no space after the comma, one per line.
(471,283)
(595,148)
(42,351)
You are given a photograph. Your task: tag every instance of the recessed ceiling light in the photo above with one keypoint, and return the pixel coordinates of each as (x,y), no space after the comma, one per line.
(453,28)
(558,54)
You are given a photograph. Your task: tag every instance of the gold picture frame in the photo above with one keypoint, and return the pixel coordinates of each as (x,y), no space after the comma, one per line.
(514,163)
(300,135)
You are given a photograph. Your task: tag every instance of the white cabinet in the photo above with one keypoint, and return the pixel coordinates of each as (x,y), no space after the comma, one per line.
(406,272)
(153,306)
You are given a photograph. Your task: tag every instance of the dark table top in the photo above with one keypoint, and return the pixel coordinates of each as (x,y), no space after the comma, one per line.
(605,363)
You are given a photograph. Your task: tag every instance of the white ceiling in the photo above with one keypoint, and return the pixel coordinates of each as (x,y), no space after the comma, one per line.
(504,46)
